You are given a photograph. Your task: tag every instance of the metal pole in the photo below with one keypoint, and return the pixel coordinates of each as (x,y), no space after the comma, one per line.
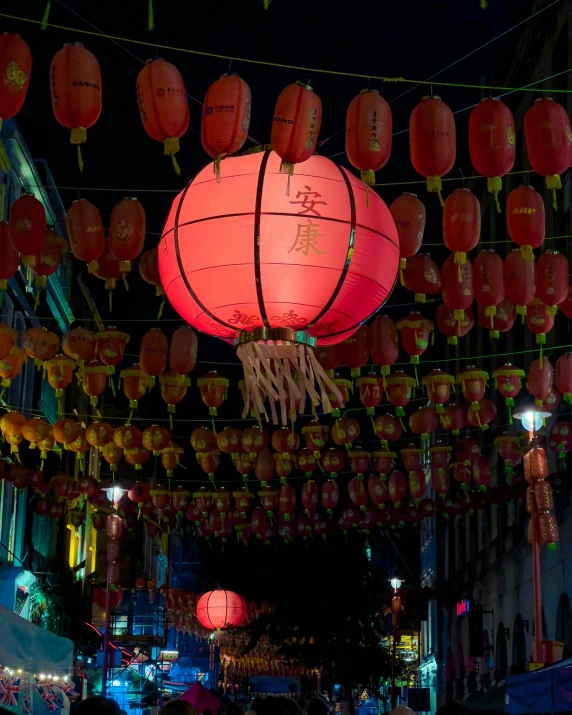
(106,641)
(393,658)
(537,586)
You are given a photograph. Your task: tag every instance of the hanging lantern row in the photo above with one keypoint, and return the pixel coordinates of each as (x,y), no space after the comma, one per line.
(76,90)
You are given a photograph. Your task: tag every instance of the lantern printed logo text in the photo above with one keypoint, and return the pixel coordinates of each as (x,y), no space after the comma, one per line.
(307,238)
(523,210)
(220,108)
(375,145)
(15,77)
(308,203)
(91,85)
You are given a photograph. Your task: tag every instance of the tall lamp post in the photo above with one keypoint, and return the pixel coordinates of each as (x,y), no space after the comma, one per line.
(542,527)
(396,609)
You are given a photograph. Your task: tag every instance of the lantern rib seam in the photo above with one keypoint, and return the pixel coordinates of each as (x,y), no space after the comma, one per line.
(257,216)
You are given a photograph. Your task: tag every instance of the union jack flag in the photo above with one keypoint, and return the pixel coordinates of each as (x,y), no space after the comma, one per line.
(48,696)
(67,689)
(9,690)
(26,704)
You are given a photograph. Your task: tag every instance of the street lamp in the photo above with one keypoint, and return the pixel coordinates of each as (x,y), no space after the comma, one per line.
(395,621)
(531,416)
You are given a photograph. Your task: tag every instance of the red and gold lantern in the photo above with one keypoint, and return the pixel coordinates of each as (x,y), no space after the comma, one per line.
(540,319)
(213,389)
(15,69)
(422,276)
(99,434)
(438,386)
(508,382)
(488,284)
(183,350)
(153,352)
(525,220)
(397,487)
(461,223)
(333,461)
(127,437)
(345,430)
(415,335)
(423,421)
(137,457)
(399,388)
(501,322)
(135,383)
(450,326)
(482,416)
(473,384)
(111,344)
(540,377)
(79,344)
(27,227)
(454,418)
(387,428)
(41,345)
(65,430)
(59,372)
(552,271)
(370,391)
(170,457)
(126,232)
(509,450)
(11,365)
(94,379)
(368,134)
(173,389)
(354,351)
(112,455)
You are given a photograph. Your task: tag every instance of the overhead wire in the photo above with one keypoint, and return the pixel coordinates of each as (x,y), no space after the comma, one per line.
(278,65)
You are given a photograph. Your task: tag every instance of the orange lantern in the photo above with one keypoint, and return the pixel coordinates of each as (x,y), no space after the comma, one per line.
(170,457)
(488,283)
(333,461)
(47,262)
(59,371)
(137,457)
(423,421)
(354,350)
(40,344)
(94,379)
(415,333)
(80,447)
(452,328)
(153,352)
(36,430)
(409,215)
(285,441)
(209,462)
(9,256)
(12,424)
(502,321)
(173,389)
(370,391)
(15,70)
(438,385)
(108,271)
(75,83)
(127,437)
(296,125)
(155,439)
(344,388)
(86,232)
(99,433)
(368,134)
(27,227)
(47,445)
(399,388)
(508,382)
(552,271)
(213,389)
(383,343)
(112,455)
(473,384)
(126,232)
(540,319)
(163,105)
(422,276)
(111,344)
(457,286)
(432,141)
(254,440)
(345,430)
(548,141)
(65,430)
(11,365)
(264,466)
(183,350)
(461,223)
(519,280)
(225,118)
(79,344)
(135,383)
(492,142)
(525,219)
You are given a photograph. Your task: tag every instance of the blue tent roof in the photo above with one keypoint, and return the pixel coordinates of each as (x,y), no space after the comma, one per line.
(548,690)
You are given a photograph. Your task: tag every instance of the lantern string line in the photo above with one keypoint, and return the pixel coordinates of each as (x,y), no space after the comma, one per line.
(477,49)
(279,65)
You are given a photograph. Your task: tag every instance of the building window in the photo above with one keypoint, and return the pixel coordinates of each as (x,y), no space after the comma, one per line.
(564,624)
(501,657)
(518,646)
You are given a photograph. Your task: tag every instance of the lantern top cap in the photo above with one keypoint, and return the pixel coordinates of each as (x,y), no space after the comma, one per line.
(73,44)
(431,96)
(300,83)
(367,89)
(408,193)
(488,99)
(543,99)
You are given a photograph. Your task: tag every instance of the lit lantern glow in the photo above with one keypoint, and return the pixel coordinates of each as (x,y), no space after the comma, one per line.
(220,609)
(292,271)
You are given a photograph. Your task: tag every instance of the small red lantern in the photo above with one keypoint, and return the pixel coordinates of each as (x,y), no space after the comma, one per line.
(127,437)
(254,440)
(422,276)
(75,83)
(432,141)
(412,457)
(387,428)
(416,484)
(552,271)
(183,350)
(27,227)
(213,389)
(508,382)
(354,351)
(65,430)
(287,501)
(454,418)
(15,69)
(481,417)
(9,256)
(229,440)
(99,433)
(112,455)
(440,480)
(540,378)
(86,233)
(383,462)
(173,389)
(409,215)
(439,455)
(11,365)
(492,142)
(384,346)
(509,450)
(309,496)
(284,465)
(482,472)
(204,439)
(135,383)
(397,487)
(153,352)
(94,379)
(137,457)
(501,322)
(79,344)
(467,450)
(377,489)
(399,387)
(149,271)
(423,421)
(525,220)
(473,384)
(461,223)
(333,461)
(111,346)
(438,385)
(519,280)
(358,493)
(59,372)
(171,455)
(540,319)
(359,461)
(47,262)
(264,466)
(330,495)
(563,376)
(462,474)
(163,105)
(370,391)
(345,430)
(41,345)
(225,118)
(126,232)
(457,287)
(450,326)
(548,141)
(488,283)
(306,461)
(368,134)
(315,436)
(415,334)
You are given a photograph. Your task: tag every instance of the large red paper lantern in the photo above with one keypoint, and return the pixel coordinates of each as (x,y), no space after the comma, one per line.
(452,328)
(15,70)
(519,280)
(461,223)
(368,134)
(548,141)
(492,142)
(383,343)
(27,227)
(296,125)
(297,286)
(86,232)
(225,118)
(525,219)
(409,215)
(221,609)
(126,232)
(432,141)
(552,272)
(163,105)
(75,83)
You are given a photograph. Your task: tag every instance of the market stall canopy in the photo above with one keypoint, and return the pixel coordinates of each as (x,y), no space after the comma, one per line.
(542,691)
(31,648)
(201,698)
